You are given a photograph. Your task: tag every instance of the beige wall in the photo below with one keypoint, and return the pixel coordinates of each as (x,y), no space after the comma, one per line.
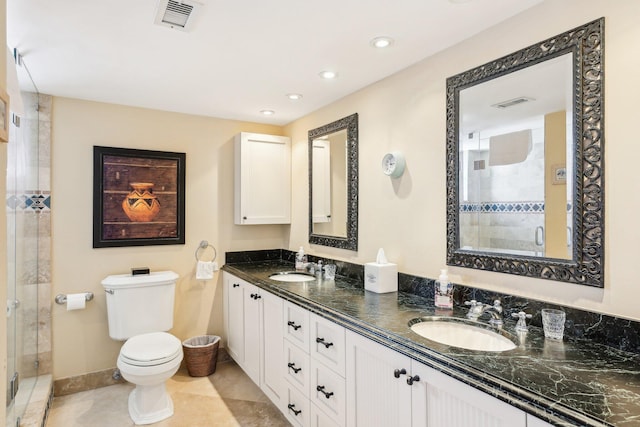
(406,112)
(81,342)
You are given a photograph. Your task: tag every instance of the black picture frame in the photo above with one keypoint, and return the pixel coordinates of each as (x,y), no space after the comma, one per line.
(138,197)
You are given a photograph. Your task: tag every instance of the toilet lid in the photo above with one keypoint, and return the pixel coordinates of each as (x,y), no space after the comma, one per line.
(155,348)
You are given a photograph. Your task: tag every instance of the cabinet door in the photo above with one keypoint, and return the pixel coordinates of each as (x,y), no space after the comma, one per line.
(376,396)
(328,391)
(234,316)
(296,363)
(262,179)
(327,343)
(445,401)
(296,325)
(252,326)
(272,372)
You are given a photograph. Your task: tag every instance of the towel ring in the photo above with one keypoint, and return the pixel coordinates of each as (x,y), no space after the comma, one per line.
(204,245)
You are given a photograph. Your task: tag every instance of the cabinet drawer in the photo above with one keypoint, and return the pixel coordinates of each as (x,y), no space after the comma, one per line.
(320,419)
(327,343)
(328,391)
(296,363)
(296,325)
(296,407)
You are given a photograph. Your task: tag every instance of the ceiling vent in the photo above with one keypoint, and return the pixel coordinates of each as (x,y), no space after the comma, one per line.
(512,102)
(177,14)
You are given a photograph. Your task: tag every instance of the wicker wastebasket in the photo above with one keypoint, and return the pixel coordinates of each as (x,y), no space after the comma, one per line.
(201,354)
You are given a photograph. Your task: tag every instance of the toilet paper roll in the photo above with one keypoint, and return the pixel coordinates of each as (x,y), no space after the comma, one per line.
(76,301)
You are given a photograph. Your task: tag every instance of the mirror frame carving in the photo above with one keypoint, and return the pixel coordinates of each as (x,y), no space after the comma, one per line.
(586,267)
(350,123)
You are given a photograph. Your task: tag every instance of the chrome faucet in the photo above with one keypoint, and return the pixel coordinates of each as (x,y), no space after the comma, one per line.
(315,268)
(477,309)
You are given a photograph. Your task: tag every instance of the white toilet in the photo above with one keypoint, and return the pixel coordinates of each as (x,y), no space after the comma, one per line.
(140,310)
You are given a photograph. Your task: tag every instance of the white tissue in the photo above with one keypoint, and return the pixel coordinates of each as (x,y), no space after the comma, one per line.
(76,301)
(205,270)
(381,258)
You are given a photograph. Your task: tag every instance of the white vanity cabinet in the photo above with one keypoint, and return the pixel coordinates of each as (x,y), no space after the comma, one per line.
(314,361)
(253,319)
(387,388)
(262,180)
(321,375)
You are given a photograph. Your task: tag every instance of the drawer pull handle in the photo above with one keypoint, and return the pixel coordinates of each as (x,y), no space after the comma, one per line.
(235,285)
(326,344)
(399,372)
(413,379)
(292,366)
(293,325)
(320,388)
(291,407)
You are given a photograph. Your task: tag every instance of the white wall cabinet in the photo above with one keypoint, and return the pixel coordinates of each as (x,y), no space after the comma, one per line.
(262,180)
(253,324)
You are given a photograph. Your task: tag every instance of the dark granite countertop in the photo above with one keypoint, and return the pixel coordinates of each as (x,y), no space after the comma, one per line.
(574,382)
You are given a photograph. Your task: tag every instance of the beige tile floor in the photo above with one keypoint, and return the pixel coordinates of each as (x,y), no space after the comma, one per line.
(226,398)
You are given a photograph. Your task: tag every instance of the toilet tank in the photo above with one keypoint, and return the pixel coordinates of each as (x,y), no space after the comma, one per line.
(139,304)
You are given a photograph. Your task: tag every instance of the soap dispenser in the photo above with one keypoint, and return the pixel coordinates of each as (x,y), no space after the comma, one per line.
(443,291)
(301,260)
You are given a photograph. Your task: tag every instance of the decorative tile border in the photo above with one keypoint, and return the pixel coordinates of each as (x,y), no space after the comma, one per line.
(505,207)
(36,201)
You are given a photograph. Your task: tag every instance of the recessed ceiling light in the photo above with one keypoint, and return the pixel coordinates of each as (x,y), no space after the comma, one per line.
(328,74)
(267,112)
(294,96)
(381,42)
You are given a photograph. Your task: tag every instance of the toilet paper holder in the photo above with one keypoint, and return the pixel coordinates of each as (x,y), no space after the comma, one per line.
(62,298)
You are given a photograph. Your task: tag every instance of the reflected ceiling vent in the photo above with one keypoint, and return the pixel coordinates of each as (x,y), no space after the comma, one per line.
(177,14)
(511,102)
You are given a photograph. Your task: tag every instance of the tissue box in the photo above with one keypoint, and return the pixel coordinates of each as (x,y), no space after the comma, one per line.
(381,278)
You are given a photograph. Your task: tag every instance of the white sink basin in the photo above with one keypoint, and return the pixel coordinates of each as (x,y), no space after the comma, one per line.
(292,276)
(461,333)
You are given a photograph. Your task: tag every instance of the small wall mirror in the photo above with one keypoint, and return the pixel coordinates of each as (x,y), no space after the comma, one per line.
(524,161)
(333,184)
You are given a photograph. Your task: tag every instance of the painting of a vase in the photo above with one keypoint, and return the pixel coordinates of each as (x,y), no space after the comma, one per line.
(141,205)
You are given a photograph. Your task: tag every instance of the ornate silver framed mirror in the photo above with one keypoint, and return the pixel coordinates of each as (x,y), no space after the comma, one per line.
(525,137)
(333,184)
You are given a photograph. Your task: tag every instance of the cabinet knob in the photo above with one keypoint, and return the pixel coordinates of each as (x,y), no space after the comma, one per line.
(413,379)
(326,344)
(399,372)
(255,296)
(320,388)
(235,285)
(293,325)
(292,366)
(292,408)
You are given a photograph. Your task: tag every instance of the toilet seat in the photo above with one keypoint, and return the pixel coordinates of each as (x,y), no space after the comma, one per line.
(151,349)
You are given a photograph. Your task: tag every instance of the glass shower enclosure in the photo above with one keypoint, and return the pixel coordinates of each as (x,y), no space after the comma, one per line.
(25,205)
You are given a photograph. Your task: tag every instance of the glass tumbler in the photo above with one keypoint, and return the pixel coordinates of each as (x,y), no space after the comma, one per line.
(553,323)
(330,271)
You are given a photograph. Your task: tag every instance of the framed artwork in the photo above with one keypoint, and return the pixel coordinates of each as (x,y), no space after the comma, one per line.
(138,197)
(4,116)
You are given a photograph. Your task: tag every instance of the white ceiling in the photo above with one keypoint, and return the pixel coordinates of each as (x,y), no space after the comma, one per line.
(241,56)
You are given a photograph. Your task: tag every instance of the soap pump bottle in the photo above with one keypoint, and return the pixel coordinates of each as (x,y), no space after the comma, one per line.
(443,291)
(301,259)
